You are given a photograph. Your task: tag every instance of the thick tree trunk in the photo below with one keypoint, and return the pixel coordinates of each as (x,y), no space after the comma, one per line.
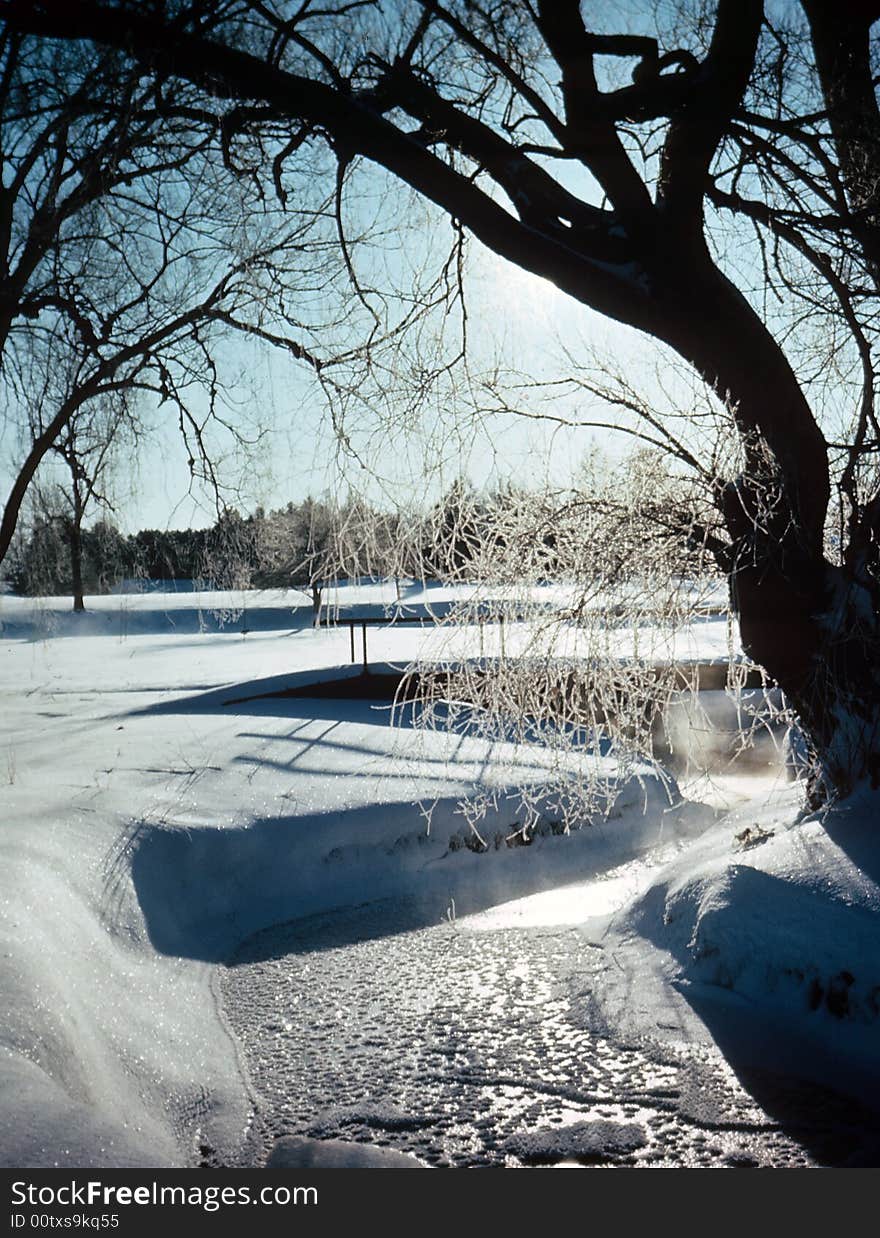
(818,637)
(813,626)
(838,702)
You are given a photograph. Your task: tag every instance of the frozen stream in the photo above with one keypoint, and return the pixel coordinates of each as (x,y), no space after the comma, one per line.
(469,1043)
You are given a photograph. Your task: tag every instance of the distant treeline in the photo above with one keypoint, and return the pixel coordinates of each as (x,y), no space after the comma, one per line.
(303,544)
(294,545)
(508,534)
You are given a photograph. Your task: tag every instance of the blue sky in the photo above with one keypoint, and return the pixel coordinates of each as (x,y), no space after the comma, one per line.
(515,320)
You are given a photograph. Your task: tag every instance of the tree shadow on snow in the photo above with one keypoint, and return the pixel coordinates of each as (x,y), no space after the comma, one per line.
(822,1102)
(347,696)
(804,1048)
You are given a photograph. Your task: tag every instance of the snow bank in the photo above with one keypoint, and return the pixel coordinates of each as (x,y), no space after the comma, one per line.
(203,890)
(111,1055)
(764,936)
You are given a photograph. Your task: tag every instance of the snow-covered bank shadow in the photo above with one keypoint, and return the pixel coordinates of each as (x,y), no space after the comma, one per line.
(204,890)
(763,943)
(280,696)
(827,1101)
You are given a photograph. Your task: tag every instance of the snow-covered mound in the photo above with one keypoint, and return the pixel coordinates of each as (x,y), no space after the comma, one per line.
(202,890)
(764,935)
(293,1152)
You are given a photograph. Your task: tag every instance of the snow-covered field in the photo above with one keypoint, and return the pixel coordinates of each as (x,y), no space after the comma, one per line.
(148,826)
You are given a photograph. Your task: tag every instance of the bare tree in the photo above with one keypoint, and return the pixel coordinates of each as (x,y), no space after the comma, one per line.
(126,257)
(608,163)
(86,447)
(296,548)
(320,542)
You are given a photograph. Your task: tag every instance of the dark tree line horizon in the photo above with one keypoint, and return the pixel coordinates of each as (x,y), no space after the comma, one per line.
(293,545)
(306,544)
(317,542)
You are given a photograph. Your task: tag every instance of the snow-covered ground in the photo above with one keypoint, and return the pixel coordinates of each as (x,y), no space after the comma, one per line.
(148,827)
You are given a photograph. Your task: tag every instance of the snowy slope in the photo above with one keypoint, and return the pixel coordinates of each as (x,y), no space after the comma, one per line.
(146,826)
(764,937)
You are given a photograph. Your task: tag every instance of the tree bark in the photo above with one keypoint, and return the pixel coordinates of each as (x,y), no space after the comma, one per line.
(812,625)
(75,543)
